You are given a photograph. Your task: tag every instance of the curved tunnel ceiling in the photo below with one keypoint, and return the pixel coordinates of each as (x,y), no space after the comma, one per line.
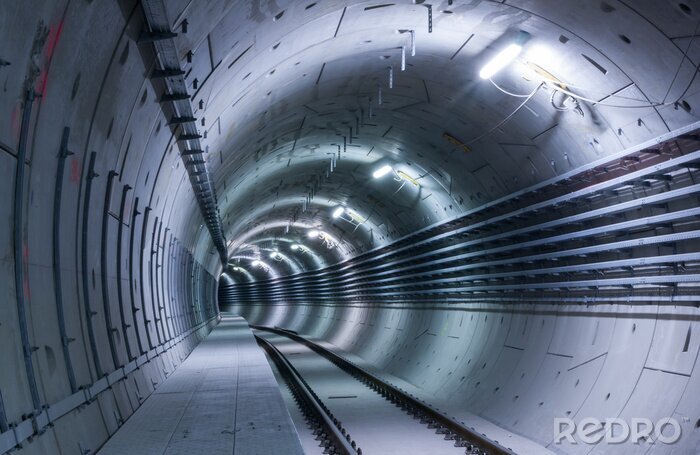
(296,88)
(109,252)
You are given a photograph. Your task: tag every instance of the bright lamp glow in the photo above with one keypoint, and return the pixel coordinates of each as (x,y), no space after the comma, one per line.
(257,263)
(382,171)
(337,212)
(500,61)
(313,234)
(275,254)
(295,247)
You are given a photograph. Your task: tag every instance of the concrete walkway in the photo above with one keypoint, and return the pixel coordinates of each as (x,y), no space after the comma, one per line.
(223,399)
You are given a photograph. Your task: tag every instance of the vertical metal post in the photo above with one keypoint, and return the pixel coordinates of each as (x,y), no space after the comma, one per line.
(152,262)
(18,240)
(58,291)
(103,266)
(134,309)
(148,323)
(89,313)
(120,298)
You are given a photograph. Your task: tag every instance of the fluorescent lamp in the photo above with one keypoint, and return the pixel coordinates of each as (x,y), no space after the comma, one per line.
(382,171)
(275,254)
(337,212)
(295,247)
(313,234)
(257,263)
(500,61)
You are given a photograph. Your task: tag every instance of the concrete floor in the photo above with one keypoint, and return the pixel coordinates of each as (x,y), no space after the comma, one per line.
(223,399)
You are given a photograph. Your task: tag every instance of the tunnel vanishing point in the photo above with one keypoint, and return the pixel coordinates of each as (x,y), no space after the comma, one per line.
(349,227)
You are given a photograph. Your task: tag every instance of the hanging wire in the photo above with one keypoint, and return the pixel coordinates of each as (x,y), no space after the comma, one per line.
(561,108)
(646,103)
(558,88)
(502,122)
(680,65)
(506,91)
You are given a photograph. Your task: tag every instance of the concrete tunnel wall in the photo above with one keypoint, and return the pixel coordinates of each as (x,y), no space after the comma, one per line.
(130,294)
(151,268)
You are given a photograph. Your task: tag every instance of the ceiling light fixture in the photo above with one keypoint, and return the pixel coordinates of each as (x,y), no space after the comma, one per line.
(505,56)
(382,171)
(500,61)
(325,237)
(339,211)
(349,215)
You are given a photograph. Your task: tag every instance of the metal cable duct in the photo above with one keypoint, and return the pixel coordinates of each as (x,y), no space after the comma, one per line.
(175,95)
(624,231)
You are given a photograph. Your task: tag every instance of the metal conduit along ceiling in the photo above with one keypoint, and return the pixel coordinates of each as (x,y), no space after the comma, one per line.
(490,206)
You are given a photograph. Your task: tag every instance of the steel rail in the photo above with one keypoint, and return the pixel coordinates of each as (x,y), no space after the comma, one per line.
(311,405)
(464,436)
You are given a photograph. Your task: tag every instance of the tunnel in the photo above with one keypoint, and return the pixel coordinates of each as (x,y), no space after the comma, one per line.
(349,227)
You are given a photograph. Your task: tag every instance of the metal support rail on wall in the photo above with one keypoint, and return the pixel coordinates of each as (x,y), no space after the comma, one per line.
(182,117)
(21,283)
(626,230)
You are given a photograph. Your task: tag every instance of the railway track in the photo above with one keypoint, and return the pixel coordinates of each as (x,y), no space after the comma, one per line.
(383,420)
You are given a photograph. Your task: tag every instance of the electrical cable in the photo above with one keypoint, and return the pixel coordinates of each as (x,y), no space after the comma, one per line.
(554,105)
(506,91)
(558,88)
(646,104)
(680,65)
(502,122)
(601,103)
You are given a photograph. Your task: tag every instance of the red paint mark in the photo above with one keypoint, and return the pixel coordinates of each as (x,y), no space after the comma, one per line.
(15,124)
(74,170)
(52,40)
